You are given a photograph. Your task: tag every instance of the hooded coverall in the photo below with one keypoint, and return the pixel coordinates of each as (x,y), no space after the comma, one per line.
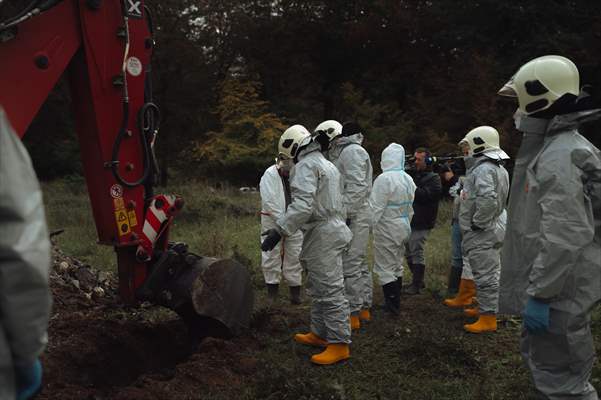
(553,250)
(482,219)
(354,165)
(317,209)
(283,259)
(391,206)
(24,261)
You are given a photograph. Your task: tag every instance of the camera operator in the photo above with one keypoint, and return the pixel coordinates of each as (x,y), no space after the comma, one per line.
(425,206)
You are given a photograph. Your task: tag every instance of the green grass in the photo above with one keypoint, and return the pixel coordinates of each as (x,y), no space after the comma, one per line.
(217,223)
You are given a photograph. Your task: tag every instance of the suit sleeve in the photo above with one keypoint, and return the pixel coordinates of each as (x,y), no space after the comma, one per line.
(24,251)
(566,223)
(378,199)
(303,186)
(355,160)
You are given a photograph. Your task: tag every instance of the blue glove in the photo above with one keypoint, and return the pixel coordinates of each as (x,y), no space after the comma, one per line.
(272,239)
(536,316)
(29,379)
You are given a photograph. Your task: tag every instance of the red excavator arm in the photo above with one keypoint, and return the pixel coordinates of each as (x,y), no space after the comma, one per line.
(104,48)
(91,41)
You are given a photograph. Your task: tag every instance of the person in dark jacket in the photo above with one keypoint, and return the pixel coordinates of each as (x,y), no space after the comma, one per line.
(425,207)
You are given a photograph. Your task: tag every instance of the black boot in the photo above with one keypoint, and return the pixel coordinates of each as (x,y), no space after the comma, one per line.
(454,279)
(295,295)
(272,290)
(407,286)
(417,282)
(392,297)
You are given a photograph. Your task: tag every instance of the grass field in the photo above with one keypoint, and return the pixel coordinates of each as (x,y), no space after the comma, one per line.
(218,223)
(423,354)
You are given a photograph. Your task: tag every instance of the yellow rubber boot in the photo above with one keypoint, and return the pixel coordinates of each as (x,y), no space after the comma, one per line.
(310,339)
(485,323)
(365,315)
(471,312)
(332,354)
(467,290)
(355,323)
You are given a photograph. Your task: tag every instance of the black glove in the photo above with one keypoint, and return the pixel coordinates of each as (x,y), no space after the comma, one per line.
(475,227)
(272,239)
(348,222)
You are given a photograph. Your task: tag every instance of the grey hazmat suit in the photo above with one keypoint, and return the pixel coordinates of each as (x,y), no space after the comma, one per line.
(466,270)
(482,219)
(24,261)
(283,259)
(317,209)
(354,165)
(553,249)
(391,208)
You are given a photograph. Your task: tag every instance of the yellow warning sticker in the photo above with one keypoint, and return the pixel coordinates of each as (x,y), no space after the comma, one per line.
(123,226)
(118,203)
(132,218)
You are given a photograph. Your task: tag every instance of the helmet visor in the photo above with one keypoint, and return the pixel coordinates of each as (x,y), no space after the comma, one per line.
(508,90)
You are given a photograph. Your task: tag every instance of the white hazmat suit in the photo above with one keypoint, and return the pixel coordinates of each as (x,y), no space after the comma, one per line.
(354,165)
(482,219)
(317,209)
(283,259)
(391,207)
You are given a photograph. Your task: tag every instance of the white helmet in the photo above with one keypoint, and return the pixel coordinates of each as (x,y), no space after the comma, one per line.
(329,128)
(484,140)
(292,140)
(540,82)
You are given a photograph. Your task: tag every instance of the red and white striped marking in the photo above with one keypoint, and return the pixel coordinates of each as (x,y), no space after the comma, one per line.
(162,208)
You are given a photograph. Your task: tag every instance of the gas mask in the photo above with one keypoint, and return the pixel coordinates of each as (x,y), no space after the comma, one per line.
(518,116)
(284,165)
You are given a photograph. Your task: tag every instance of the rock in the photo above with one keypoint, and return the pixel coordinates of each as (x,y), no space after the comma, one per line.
(98,292)
(88,296)
(103,277)
(75,283)
(86,278)
(63,267)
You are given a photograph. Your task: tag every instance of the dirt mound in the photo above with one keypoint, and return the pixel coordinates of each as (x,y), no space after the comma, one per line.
(99,349)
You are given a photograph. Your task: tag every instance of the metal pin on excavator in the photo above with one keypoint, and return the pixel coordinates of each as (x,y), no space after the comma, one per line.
(104,48)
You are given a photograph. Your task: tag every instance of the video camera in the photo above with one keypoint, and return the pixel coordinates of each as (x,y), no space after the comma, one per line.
(439,164)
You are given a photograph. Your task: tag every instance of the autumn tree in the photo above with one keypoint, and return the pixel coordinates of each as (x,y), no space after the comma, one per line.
(247,140)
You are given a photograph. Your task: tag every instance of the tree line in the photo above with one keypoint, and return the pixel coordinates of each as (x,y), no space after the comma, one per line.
(230,76)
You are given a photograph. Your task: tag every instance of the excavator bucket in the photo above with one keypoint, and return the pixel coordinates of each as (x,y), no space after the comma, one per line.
(222,292)
(213,296)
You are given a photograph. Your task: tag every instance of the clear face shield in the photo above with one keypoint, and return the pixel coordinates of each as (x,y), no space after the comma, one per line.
(464,147)
(284,164)
(468,158)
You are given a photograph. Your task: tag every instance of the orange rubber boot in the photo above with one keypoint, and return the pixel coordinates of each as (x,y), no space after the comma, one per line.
(471,312)
(365,315)
(310,339)
(332,354)
(467,290)
(355,323)
(485,323)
